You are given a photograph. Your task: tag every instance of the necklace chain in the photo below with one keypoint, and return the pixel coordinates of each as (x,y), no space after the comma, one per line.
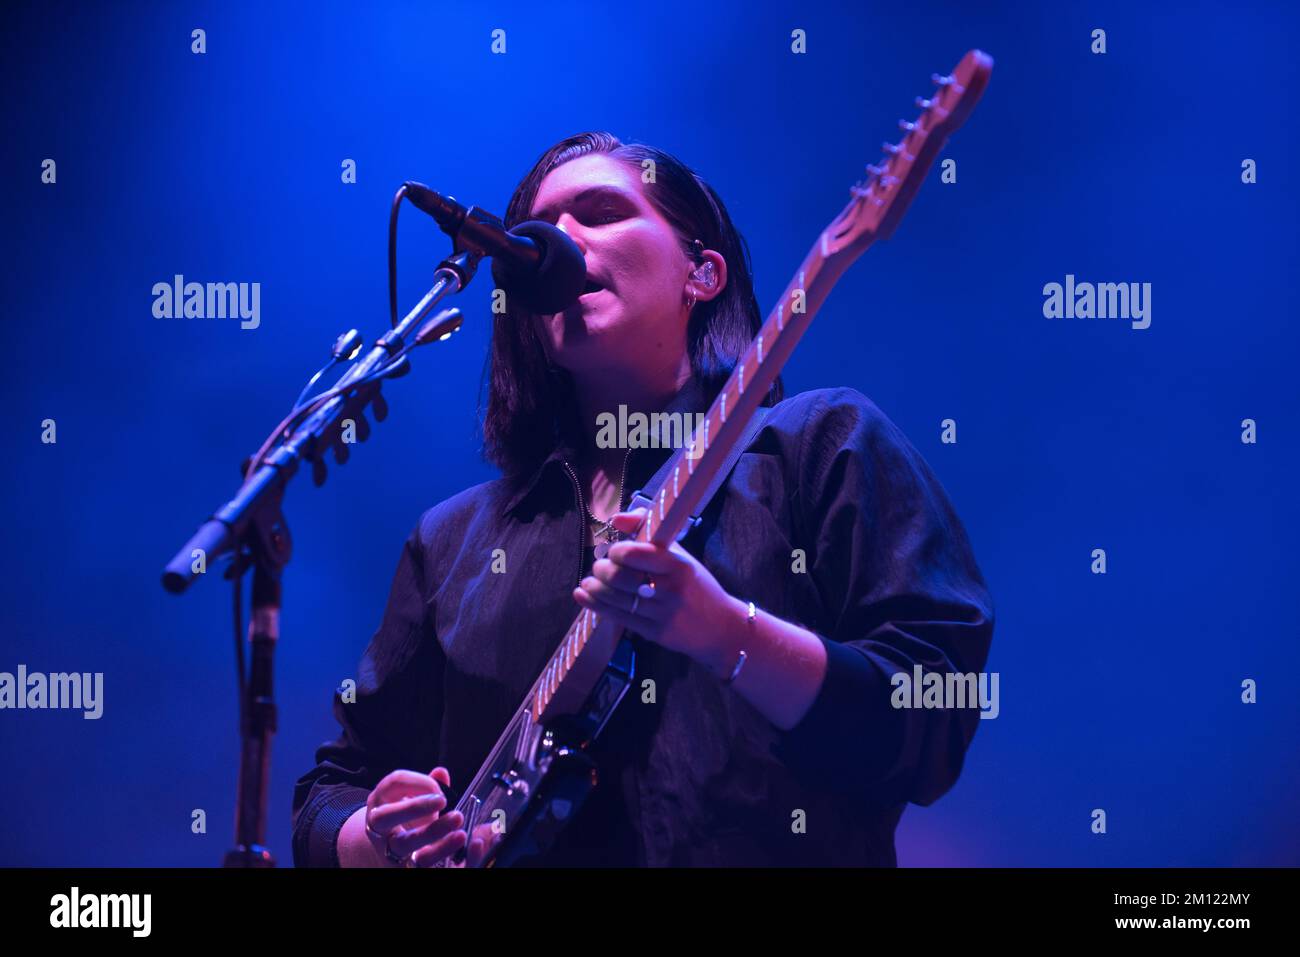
(606,528)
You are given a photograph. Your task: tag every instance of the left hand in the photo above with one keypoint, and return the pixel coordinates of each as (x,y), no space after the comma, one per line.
(689,611)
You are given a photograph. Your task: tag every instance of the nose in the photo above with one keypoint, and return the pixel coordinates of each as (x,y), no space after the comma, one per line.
(566,224)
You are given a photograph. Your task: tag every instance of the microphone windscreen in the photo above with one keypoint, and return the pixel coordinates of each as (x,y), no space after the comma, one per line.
(559,278)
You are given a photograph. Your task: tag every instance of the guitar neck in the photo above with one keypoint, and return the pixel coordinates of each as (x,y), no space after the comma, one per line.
(873,212)
(532,777)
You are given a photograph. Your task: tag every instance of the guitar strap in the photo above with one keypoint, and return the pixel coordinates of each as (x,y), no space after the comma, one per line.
(641,500)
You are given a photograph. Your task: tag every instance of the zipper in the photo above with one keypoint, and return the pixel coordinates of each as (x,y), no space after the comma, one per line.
(582,520)
(582,508)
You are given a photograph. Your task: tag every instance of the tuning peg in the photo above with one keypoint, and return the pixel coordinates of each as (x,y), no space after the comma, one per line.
(341,453)
(938,80)
(380,407)
(874,170)
(318,471)
(922,103)
(906,125)
(891,148)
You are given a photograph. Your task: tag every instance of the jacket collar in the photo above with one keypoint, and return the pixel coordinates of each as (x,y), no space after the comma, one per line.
(690,398)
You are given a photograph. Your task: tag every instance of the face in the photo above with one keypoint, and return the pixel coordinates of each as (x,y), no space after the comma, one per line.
(638,273)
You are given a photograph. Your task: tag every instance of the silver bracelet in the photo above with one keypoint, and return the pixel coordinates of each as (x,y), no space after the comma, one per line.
(740,662)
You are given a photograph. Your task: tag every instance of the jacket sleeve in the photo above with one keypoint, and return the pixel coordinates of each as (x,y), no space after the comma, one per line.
(391,720)
(900,588)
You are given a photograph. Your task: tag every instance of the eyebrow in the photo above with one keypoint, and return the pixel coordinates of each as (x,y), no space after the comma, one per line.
(549,212)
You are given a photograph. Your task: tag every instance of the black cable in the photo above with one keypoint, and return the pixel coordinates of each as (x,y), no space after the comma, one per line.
(302,407)
(392,254)
(299,413)
(298,403)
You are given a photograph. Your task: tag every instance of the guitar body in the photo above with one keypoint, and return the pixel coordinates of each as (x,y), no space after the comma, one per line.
(539,772)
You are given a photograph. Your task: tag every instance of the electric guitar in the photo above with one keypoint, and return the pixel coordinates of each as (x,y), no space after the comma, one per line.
(538,773)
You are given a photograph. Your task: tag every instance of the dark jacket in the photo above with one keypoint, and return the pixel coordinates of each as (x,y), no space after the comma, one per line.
(831,519)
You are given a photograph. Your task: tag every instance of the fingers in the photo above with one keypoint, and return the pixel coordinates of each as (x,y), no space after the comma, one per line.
(406,843)
(648,557)
(485,840)
(629,521)
(628,564)
(414,809)
(601,598)
(621,614)
(446,846)
(616,576)
(405,797)
(403,783)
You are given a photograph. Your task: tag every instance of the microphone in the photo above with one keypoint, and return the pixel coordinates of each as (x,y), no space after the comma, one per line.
(535,263)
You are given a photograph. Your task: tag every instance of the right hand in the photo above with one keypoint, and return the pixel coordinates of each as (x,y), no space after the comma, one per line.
(404,814)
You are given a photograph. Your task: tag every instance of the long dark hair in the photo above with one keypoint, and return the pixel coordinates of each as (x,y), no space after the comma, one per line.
(531,405)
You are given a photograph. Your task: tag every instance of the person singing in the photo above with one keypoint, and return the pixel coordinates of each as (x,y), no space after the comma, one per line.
(759,729)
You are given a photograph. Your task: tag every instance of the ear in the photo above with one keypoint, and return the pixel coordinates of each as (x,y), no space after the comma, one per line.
(698,275)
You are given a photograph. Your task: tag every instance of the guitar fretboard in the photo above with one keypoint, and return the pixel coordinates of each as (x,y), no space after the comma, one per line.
(875,209)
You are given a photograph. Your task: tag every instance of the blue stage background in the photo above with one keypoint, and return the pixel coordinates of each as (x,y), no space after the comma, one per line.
(1119,691)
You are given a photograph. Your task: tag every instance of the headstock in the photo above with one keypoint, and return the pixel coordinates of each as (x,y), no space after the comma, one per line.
(880,201)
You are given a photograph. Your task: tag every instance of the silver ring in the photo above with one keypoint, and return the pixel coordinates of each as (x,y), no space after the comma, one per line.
(646,589)
(388,843)
(388,850)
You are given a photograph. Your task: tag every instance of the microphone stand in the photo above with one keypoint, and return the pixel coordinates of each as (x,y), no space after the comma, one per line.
(252,527)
